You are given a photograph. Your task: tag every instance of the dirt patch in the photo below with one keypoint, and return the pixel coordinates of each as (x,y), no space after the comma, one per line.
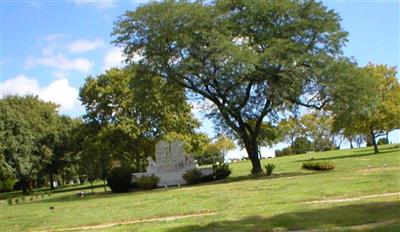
(132,221)
(352,198)
(377,169)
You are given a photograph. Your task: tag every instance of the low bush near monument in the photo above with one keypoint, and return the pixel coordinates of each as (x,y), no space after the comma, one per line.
(319,166)
(119,179)
(147,182)
(221,171)
(192,176)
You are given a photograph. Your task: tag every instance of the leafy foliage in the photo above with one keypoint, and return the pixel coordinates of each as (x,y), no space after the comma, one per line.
(370,107)
(119,179)
(319,166)
(221,171)
(27,125)
(7,185)
(193,176)
(134,109)
(147,182)
(301,145)
(269,168)
(251,59)
(383,141)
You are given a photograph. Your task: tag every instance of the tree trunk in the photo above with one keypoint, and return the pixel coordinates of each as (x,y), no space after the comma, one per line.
(351,143)
(369,140)
(252,151)
(51,181)
(105,185)
(26,185)
(372,134)
(387,137)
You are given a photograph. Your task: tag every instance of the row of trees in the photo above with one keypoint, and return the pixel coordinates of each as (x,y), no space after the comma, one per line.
(362,113)
(33,141)
(127,113)
(257,61)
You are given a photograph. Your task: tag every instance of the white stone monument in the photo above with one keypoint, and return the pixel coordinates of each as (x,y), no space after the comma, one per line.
(171,163)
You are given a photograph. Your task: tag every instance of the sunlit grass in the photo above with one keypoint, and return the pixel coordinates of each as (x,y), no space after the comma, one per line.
(241,202)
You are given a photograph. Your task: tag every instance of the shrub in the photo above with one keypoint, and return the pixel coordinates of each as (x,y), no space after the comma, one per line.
(208,178)
(23,198)
(119,179)
(147,182)
(16,200)
(192,176)
(278,153)
(221,171)
(319,166)
(9,201)
(7,185)
(301,145)
(286,151)
(269,168)
(383,141)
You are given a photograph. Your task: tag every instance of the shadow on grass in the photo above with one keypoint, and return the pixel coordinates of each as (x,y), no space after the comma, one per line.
(380,148)
(263,176)
(74,191)
(76,188)
(333,218)
(365,153)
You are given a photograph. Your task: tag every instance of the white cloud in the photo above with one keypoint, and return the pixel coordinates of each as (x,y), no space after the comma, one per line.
(115,58)
(99,4)
(59,91)
(112,59)
(60,61)
(82,45)
(21,85)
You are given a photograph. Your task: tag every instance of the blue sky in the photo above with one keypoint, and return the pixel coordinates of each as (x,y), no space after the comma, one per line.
(49,47)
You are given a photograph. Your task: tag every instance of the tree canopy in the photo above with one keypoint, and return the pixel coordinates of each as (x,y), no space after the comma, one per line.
(252,59)
(133,111)
(27,125)
(370,106)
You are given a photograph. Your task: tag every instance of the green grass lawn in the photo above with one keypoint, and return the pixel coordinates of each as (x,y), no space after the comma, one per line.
(280,202)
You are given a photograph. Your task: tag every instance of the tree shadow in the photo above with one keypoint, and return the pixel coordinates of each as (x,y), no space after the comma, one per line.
(380,148)
(76,188)
(370,153)
(263,176)
(75,197)
(336,157)
(333,218)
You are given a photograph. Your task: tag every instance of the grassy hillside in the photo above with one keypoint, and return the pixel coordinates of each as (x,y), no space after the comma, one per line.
(362,193)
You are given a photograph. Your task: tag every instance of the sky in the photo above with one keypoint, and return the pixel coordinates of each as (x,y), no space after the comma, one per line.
(49,47)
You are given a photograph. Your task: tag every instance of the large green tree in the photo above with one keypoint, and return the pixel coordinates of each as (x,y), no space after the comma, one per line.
(133,112)
(371,106)
(253,60)
(26,123)
(62,162)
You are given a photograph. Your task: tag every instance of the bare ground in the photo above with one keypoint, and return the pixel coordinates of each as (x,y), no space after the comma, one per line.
(351,198)
(131,221)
